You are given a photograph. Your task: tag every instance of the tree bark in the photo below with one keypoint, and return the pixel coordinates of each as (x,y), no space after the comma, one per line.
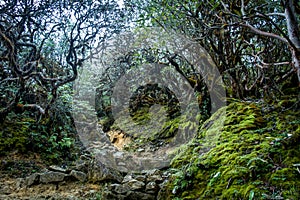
(293,33)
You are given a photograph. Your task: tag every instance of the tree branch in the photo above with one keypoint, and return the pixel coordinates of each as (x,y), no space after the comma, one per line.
(264,33)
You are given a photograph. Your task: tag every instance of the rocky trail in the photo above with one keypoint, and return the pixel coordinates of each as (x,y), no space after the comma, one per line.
(86,179)
(105,172)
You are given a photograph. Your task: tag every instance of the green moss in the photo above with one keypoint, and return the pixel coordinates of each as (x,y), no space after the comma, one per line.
(22,134)
(249,153)
(14,136)
(152,126)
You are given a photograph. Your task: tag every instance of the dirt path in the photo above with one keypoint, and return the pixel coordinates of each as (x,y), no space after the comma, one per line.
(10,190)
(15,167)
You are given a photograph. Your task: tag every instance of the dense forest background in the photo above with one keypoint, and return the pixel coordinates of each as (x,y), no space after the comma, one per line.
(254,45)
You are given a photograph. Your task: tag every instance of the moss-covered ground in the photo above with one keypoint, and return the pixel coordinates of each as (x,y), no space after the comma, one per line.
(251,152)
(151,127)
(52,141)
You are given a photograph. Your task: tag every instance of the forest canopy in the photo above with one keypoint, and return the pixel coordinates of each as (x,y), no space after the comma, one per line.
(44,43)
(255,45)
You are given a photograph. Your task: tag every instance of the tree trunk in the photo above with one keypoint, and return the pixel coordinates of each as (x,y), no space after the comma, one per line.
(293,31)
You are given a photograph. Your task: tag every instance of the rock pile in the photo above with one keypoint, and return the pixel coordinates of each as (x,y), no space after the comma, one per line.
(142,185)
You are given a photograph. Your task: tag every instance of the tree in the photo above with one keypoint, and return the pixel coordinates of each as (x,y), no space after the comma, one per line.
(148,58)
(43,43)
(253,43)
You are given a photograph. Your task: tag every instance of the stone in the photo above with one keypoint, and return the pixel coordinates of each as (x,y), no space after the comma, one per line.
(154,175)
(118,155)
(111,196)
(57,169)
(119,188)
(5,190)
(81,176)
(140,178)
(51,177)
(32,179)
(152,172)
(134,195)
(135,184)
(122,169)
(121,164)
(80,165)
(154,178)
(151,187)
(140,150)
(127,178)
(20,183)
(98,172)
(166,174)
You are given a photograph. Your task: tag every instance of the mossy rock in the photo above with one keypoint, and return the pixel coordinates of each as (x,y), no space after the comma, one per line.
(246,154)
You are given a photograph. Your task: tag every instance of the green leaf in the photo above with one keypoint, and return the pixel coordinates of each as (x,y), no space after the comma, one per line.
(251,196)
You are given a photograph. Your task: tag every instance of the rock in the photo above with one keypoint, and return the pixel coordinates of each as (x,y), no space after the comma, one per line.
(121,164)
(162,193)
(32,179)
(20,183)
(119,155)
(50,177)
(135,184)
(118,138)
(99,172)
(81,176)
(140,178)
(111,196)
(81,164)
(57,169)
(81,167)
(5,190)
(131,176)
(153,175)
(119,188)
(166,175)
(151,187)
(152,172)
(155,178)
(122,169)
(127,178)
(139,196)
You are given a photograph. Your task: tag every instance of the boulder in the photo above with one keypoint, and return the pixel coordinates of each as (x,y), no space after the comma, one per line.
(51,177)
(119,188)
(81,176)
(152,187)
(98,172)
(32,179)
(135,184)
(154,178)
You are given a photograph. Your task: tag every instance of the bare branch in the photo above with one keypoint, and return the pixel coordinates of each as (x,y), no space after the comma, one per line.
(264,33)
(276,14)
(36,106)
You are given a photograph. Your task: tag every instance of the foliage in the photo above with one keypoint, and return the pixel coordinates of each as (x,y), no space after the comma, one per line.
(43,43)
(251,42)
(53,138)
(148,58)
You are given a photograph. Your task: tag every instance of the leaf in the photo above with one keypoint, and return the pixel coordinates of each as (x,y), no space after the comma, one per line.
(251,196)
